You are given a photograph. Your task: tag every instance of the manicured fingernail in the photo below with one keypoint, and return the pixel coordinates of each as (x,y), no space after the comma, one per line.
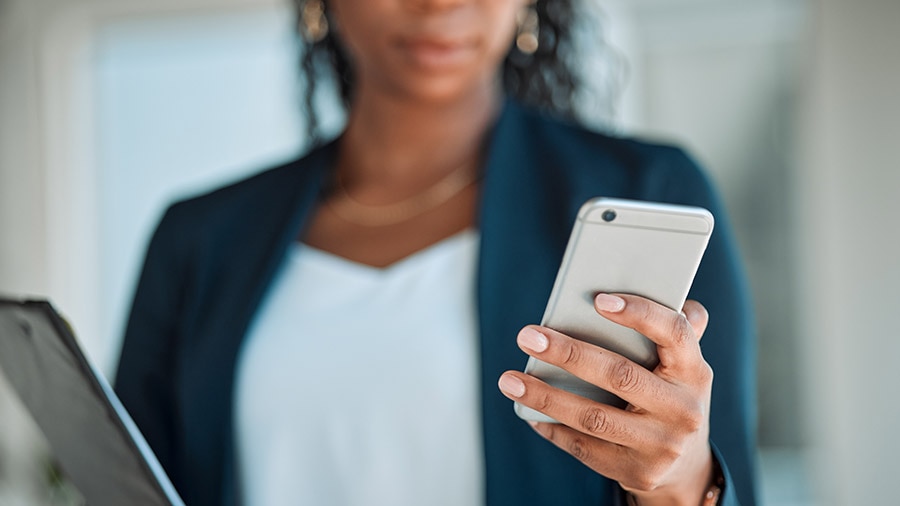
(539,428)
(512,385)
(532,339)
(609,303)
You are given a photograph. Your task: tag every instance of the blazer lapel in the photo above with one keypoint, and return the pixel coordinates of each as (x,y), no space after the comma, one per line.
(525,220)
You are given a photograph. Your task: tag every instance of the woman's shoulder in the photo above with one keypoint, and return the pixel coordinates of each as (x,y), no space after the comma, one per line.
(270,190)
(652,169)
(565,134)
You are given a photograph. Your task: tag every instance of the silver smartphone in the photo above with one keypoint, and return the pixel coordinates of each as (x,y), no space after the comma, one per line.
(623,246)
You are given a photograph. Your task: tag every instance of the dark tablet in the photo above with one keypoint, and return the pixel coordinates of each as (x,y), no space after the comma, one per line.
(90,433)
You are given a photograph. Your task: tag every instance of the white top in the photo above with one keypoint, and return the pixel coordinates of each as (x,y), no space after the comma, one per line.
(361,386)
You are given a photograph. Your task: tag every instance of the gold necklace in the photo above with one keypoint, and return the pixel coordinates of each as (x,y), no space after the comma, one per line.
(353,211)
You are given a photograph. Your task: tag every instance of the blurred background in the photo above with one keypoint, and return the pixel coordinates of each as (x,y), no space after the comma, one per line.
(111,109)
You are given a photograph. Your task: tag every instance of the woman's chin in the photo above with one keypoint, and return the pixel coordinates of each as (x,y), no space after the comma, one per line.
(443,89)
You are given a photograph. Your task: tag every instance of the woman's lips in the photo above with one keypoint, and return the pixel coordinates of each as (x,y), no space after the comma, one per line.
(436,53)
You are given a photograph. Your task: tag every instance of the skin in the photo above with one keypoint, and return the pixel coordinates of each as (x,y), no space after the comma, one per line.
(432,68)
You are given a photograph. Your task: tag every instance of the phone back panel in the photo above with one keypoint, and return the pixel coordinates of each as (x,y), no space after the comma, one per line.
(651,250)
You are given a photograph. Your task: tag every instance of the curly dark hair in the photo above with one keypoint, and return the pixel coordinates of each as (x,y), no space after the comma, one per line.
(544,79)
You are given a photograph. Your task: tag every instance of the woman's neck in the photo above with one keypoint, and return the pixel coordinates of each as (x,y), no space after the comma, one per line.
(390,138)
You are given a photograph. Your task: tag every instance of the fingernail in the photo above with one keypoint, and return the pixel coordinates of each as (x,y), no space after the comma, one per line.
(539,428)
(512,385)
(609,303)
(532,339)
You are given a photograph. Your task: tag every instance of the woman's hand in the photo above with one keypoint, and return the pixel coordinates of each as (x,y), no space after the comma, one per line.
(658,447)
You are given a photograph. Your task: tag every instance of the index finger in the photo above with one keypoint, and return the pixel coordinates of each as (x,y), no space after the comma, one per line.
(675,334)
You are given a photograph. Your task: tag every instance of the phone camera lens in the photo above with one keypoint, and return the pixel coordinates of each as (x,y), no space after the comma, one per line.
(608,215)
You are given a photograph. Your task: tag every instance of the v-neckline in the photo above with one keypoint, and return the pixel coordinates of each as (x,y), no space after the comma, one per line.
(334,261)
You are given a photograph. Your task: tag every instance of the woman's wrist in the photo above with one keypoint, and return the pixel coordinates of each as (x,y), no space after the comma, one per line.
(715,483)
(710,497)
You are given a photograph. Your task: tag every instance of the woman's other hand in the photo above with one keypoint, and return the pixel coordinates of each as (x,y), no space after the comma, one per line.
(658,447)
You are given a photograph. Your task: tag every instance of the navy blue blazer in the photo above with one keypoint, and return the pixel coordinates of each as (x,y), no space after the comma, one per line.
(213,258)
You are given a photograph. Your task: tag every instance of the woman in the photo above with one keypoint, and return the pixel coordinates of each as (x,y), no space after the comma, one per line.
(333,331)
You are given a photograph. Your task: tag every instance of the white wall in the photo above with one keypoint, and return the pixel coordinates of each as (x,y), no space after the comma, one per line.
(22,244)
(847,207)
(22,218)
